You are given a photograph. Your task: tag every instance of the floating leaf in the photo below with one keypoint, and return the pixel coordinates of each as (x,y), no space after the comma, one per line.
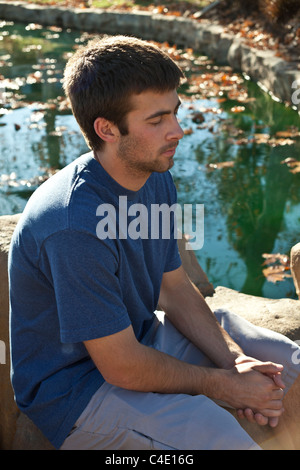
(296,168)
(276,274)
(293,164)
(237,109)
(271,258)
(220,165)
(288,134)
(279,268)
(289,161)
(276,142)
(37,116)
(261,138)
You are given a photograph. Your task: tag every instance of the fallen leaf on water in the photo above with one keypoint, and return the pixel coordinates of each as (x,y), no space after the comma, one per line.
(33,27)
(290,133)
(261,138)
(242,141)
(188,131)
(220,165)
(293,164)
(37,116)
(271,258)
(279,268)
(276,142)
(296,169)
(237,109)
(275,274)
(288,161)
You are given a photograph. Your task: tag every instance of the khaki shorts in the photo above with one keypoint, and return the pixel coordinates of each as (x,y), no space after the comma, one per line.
(119,419)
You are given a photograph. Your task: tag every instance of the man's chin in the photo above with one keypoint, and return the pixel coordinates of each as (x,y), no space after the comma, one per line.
(165,167)
(171,163)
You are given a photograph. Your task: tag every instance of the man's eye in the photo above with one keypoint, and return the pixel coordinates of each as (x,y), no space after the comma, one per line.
(155,123)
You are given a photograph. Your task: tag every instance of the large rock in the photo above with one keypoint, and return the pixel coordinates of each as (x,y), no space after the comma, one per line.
(16,430)
(281,315)
(8,409)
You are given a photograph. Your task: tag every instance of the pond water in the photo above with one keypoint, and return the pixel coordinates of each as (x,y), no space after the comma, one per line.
(251,202)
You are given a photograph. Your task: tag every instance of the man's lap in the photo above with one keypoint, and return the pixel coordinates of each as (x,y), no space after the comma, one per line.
(121,419)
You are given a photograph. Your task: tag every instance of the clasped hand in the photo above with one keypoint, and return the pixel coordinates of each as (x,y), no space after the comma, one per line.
(264,385)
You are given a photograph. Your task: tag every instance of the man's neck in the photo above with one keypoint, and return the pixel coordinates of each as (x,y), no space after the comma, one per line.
(117,170)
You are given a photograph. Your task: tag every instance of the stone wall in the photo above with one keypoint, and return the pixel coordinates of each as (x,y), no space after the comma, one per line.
(272,73)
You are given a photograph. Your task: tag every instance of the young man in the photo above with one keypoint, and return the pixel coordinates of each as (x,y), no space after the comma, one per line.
(93,364)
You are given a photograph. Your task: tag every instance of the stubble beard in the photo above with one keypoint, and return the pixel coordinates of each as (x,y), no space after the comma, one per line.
(131,157)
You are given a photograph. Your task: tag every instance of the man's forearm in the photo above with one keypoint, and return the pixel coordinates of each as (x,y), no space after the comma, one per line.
(187,310)
(137,367)
(134,366)
(153,371)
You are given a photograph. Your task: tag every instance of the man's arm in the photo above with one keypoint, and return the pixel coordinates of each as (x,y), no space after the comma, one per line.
(187,310)
(126,363)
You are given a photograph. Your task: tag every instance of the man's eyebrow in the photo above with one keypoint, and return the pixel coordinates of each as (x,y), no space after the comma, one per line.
(163,112)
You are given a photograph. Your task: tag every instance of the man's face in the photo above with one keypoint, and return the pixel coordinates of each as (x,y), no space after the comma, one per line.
(153,133)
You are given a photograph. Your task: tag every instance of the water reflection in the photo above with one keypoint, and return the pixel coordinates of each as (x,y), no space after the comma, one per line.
(251,206)
(255,206)
(247,204)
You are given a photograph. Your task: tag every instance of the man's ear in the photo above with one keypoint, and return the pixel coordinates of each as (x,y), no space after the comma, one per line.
(106,130)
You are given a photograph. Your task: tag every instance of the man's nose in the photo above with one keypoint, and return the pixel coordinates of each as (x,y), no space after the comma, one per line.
(176,132)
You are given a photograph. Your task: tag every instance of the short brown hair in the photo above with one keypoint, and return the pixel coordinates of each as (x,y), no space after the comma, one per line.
(101,76)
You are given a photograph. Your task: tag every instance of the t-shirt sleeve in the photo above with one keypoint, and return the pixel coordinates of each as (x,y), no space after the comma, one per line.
(83,272)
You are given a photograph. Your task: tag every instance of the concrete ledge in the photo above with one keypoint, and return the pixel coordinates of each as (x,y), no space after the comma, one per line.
(272,73)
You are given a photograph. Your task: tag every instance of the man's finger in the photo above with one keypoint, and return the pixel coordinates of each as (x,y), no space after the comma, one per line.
(278,380)
(268,368)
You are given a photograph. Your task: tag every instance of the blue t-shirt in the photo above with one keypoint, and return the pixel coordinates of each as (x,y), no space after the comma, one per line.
(83,264)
